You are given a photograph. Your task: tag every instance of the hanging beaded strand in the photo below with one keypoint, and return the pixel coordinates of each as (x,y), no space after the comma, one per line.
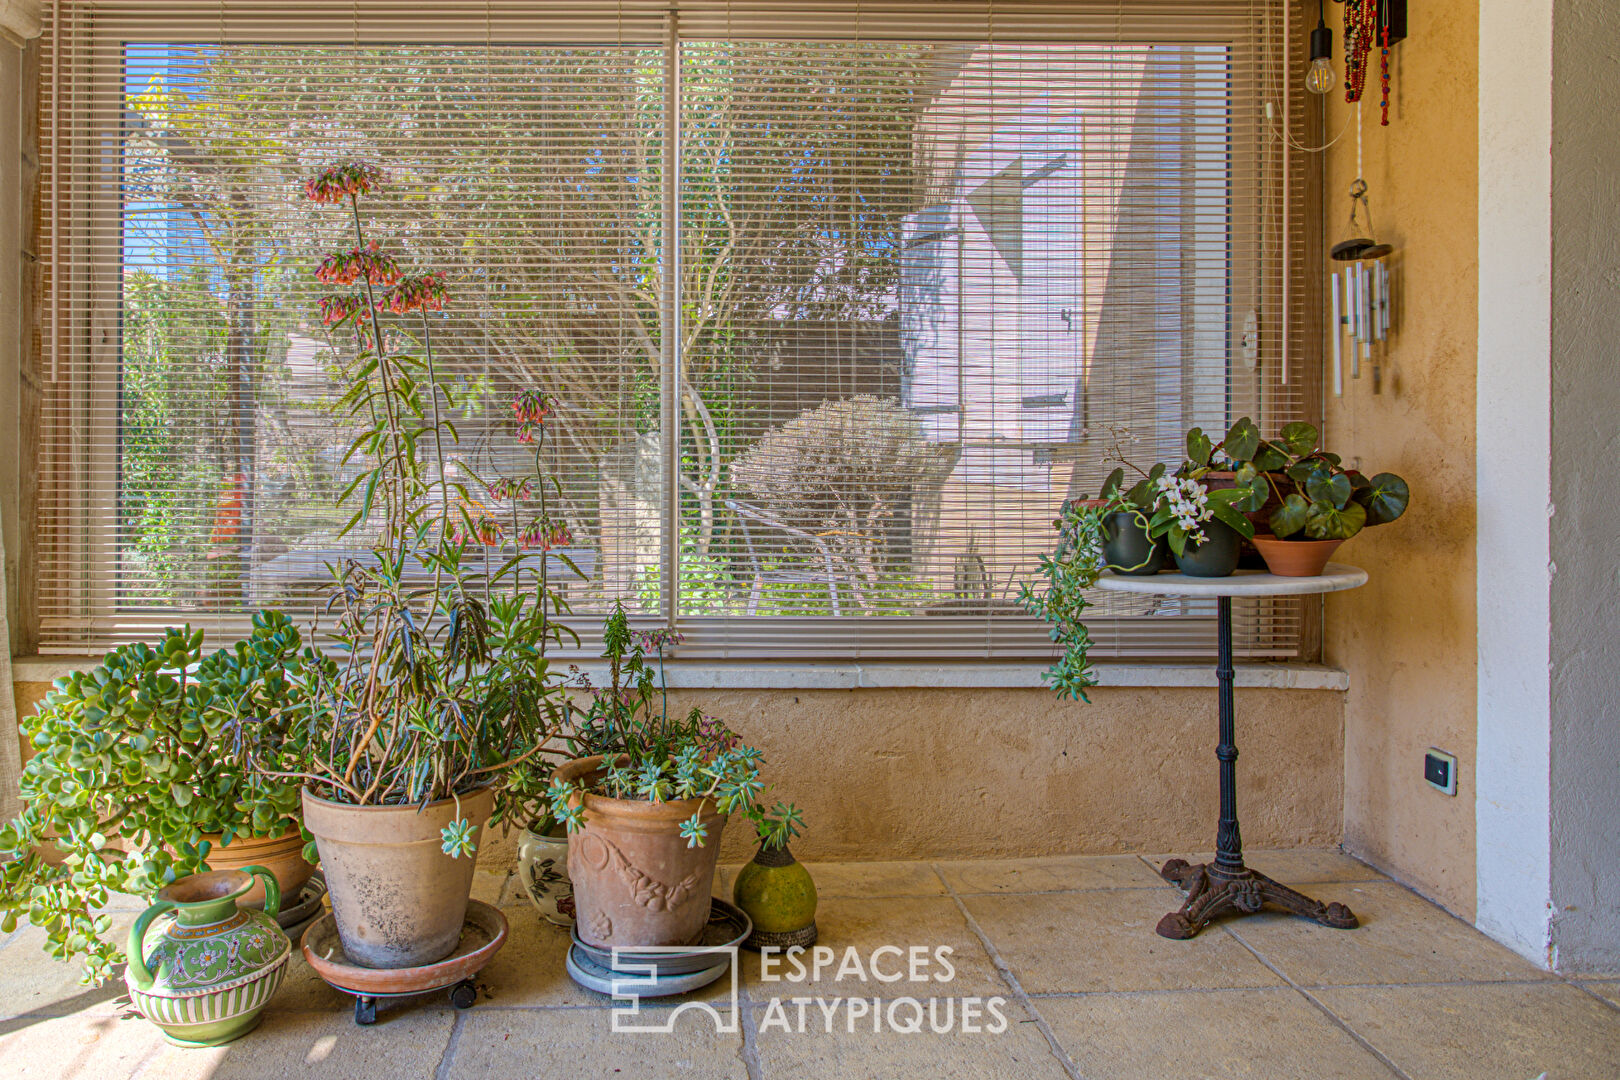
(1360,19)
(1383,71)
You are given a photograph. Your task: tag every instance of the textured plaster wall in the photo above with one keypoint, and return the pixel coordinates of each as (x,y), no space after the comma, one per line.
(943,773)
(1585,650)
(1408,637)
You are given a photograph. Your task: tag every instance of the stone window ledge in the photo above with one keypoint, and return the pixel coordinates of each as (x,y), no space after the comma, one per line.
(845,675)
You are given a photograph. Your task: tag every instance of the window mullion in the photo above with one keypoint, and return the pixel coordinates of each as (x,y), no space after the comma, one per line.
(670,325)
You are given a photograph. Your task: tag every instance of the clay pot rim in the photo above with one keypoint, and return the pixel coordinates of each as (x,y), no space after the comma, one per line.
(295,828)
(633,809)
(413,808)
(1270,538)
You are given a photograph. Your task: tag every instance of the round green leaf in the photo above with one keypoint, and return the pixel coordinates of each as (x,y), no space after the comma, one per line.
(1385,498)
(1324,521)
(1333,489)
(1298,438)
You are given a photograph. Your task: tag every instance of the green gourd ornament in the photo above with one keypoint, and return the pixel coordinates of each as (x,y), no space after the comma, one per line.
(776,891)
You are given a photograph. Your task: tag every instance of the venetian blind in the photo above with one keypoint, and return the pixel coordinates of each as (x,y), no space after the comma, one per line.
(838,302)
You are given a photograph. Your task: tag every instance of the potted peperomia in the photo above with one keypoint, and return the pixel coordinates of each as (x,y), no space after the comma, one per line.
(137,780)
(1313,503)
(441,684)
(647,799)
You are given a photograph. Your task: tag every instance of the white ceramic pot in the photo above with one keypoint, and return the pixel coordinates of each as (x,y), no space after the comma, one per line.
(543,864)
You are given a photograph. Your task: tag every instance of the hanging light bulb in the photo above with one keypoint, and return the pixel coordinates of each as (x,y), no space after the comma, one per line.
(1320,78)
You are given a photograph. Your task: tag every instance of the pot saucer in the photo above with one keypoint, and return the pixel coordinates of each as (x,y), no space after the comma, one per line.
(593,976)
(726,929)
(482,935)
(305,905)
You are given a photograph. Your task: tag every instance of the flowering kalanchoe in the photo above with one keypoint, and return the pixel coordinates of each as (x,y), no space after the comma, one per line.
(425,293)
(514,490)
(485,530)
(347,267)
(335,310)
(653,640)
(544,536)
(338,182)
(530,408)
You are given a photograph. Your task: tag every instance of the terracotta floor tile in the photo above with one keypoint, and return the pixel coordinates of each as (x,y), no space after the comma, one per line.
(870,880)
(1485,1032)
(1402,939)
(1016,1052)
(1208,1034)
(1295,866)
(1104,940)
(1051,874)
(581,1043)
(845,924)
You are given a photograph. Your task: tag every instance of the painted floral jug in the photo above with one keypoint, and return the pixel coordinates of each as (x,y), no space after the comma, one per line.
(201,968)
(543,864)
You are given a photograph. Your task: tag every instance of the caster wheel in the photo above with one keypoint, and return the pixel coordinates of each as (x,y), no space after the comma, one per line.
(365,1011)
(463,994)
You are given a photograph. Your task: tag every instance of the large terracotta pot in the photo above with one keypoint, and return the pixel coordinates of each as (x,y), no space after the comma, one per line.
(398,899)
(282,855)
(635,880)
(205,975)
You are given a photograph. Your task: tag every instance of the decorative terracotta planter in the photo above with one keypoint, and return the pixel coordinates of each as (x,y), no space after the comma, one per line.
(282,855)
(206,975)
(1295,558)
(543,868)
(635,880)
(398,899)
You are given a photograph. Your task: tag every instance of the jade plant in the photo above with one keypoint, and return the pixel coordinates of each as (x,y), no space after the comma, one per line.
(136,763)
(655,757)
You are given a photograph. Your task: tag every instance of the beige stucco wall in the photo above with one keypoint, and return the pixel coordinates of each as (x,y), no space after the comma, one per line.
(1408,638)
(941,773)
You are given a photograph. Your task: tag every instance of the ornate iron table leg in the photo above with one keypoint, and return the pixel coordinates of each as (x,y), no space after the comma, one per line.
(1226,884)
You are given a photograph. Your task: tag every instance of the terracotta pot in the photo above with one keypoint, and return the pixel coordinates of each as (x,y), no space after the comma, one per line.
(1295,558)
(282,855)
(635,880)
(398,899)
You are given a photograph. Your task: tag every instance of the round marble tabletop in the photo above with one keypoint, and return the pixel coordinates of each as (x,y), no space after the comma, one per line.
(1336,577)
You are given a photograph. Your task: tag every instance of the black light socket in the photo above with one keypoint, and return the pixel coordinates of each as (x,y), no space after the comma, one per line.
(1321,42)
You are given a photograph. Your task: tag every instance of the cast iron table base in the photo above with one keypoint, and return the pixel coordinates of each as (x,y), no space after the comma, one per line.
(1226,886)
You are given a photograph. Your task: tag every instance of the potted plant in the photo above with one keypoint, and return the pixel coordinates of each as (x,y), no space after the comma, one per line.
(136,781)
(441,685)
(1315,503)
(542,842)
(647,799)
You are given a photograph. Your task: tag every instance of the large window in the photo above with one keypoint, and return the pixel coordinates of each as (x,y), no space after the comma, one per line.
(835,315)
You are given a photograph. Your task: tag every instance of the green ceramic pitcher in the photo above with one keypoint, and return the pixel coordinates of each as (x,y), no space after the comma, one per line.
(206,975)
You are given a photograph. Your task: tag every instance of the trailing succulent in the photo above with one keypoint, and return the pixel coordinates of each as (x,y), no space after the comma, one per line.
(134,762)
(657,758)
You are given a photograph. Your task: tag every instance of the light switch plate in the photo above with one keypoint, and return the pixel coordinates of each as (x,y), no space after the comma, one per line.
(1440,771)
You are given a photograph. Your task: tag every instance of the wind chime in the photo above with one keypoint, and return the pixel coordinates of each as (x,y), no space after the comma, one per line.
(1361,294)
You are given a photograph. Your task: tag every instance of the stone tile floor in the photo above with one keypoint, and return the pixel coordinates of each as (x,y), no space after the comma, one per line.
(1087,990)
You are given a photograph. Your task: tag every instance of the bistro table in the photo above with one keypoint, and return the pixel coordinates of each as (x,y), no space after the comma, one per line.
(1226,884)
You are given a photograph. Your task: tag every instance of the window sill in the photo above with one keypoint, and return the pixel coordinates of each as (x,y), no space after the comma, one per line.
(809,675)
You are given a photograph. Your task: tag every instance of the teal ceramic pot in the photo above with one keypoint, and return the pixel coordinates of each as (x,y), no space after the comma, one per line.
(201,968)
(1217,556)
(1127,548)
